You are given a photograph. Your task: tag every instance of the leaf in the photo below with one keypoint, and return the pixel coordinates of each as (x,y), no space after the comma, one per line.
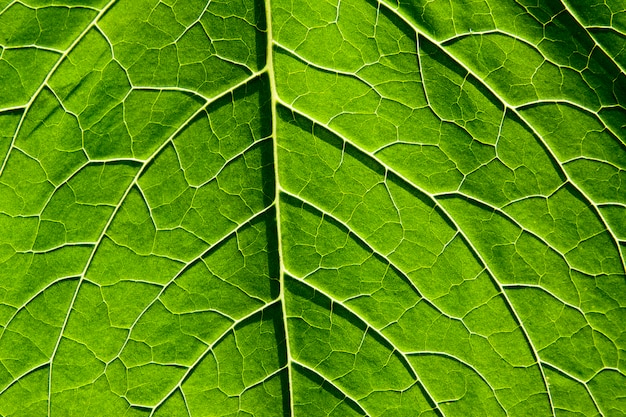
(386,208)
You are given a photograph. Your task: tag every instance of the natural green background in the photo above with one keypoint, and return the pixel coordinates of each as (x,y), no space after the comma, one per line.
(312,207)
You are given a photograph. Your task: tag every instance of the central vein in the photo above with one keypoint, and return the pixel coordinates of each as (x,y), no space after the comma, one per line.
(269,68)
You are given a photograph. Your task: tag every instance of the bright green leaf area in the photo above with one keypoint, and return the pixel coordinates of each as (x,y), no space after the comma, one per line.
(312,208)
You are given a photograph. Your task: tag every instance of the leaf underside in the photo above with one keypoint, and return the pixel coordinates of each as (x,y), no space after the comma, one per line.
(312,208)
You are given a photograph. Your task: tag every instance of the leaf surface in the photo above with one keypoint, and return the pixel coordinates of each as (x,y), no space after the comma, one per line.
(333,208)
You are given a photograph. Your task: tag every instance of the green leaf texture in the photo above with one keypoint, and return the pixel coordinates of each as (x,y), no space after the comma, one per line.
(312,208)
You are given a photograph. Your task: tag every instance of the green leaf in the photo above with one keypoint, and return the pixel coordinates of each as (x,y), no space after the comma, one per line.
(312,208)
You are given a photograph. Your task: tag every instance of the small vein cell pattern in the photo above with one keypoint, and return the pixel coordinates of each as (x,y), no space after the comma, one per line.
(312,208)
